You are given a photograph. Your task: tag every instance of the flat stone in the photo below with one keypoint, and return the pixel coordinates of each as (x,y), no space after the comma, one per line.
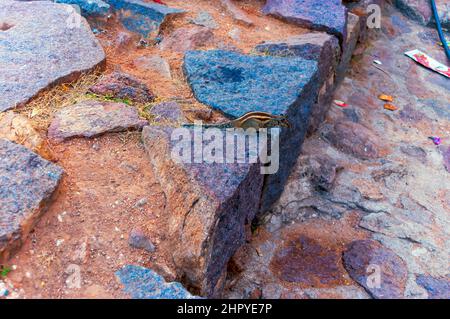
(204,19)
(445,151)
(144,18)
(209,205)
(38,51)
(153,63)
(93,118)
(362,260)
(89,7)
(168,111)
(27,183)
(437,288)
(329,16)
(238,15)
(236,84)
(354,139)
(184,39)
(123,86)
(144,283)
(305,261)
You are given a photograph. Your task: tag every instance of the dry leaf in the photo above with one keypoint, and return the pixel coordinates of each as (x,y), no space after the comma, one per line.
(386,98)
(390,107)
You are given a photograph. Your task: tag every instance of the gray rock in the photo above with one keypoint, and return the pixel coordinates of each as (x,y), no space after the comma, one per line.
(237,14)
(93,118)
(204,19)
(210,205)
(153,63)
(143,18)
(184,39)
(329,16)
(123,86)
(137,239)
(39,50)
(27,183)
(144,283)
(168,111)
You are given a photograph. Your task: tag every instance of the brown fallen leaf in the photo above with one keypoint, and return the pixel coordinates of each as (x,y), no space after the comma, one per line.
(386,98)
(390,107)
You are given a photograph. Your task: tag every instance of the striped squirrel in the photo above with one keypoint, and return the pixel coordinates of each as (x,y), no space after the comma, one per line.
(255,120)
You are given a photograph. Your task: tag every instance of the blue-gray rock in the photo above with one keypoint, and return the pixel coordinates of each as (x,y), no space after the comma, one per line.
(316,46)
(144,283)
(89,7)
(437,288)
(39,50)
(27,183)
(137,239)
(210,205)
(142,17)
(235,84)
(319,15)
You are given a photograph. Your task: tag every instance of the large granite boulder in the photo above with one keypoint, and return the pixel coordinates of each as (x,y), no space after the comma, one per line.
(40,50)
(144,283)
(141,17)
(27,183)
(209,206)
(329,16)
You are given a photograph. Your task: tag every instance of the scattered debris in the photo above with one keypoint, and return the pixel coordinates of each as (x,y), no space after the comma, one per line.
(436,140)
(386,98)
(429,62)
(390,107)
(340,103)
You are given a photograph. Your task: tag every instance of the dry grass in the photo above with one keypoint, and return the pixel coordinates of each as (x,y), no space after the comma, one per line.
(41,109)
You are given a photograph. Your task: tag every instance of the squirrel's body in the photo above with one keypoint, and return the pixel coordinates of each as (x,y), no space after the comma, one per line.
(254,120)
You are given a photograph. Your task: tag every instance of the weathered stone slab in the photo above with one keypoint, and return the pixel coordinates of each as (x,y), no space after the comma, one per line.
(144,283)
(209,205)
(93,118)
(89,7)
(365,259)
(349,45)
(236,84)
(141,17)
(329,16)
(123,86)
(40,50)
(27,183)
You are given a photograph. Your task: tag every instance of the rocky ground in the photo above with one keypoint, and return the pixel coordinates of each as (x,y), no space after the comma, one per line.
(93,208)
